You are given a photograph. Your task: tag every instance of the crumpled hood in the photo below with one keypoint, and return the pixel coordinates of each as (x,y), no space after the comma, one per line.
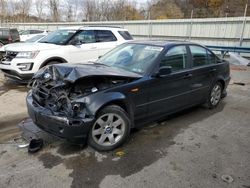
(73,72)
(25,47)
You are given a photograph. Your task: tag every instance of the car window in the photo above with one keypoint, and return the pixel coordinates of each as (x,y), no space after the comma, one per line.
(27,32)
(58,37)
(125,35)
(176,57)
(35,31)
(86,36)
(131,57)
(4,33)
(211,57)
(105,36)
(14,33)
(201,56)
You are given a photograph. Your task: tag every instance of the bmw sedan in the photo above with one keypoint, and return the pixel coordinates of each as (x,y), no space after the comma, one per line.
(134,84)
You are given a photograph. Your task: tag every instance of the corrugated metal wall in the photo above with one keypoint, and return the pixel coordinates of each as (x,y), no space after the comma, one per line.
(209,31)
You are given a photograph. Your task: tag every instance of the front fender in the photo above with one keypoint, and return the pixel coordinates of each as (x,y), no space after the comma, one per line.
(96,101)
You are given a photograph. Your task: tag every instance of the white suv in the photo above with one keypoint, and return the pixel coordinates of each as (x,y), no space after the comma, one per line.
(74,45)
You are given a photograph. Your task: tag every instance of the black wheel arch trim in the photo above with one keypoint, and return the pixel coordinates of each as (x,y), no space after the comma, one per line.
(55,58)
(99,101)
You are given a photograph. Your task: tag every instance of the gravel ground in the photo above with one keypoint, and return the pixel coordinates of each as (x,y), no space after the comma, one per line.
(194,148)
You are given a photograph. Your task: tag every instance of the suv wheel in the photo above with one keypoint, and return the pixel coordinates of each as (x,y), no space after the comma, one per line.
(110,129)
(214,95)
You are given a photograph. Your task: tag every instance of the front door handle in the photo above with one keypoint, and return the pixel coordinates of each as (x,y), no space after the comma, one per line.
(93,47)
(188,75)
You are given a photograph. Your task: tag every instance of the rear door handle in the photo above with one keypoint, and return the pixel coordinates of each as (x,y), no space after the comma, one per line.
(93,47)
(188,75)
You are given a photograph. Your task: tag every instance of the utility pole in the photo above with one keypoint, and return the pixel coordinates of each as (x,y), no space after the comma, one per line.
(191,25)
(243,25)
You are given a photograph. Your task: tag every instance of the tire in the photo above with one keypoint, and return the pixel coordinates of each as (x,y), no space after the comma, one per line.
(215,96)
(110,129)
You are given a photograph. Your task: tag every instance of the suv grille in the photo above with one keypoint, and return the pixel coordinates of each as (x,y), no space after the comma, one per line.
(8,56)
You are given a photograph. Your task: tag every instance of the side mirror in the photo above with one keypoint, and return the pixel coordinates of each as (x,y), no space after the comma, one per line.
(75,42)
(164,71)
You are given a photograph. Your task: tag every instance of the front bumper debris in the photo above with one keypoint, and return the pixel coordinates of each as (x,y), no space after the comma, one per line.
(74,130)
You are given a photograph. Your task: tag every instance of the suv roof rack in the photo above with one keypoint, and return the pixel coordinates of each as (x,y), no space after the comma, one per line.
(103,26)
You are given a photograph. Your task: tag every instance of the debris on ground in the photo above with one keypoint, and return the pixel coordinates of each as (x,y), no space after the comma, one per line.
(35,145)
(239,83)
(227,178)
(120,153)
(237,59)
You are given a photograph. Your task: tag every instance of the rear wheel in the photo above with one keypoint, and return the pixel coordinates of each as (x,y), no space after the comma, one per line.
(110,129)
(215,95)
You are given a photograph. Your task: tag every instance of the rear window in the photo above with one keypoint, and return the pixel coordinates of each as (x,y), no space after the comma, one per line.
(105,36)
(14,33)
(125,35)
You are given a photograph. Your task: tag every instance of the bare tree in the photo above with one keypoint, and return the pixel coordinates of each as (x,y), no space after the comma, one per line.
(39,5)
(54,10)
(13,8)
(3,8)
(25,8)
(89,8)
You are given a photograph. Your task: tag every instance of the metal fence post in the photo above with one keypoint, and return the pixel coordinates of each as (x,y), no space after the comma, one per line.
(191,26)
(243,26)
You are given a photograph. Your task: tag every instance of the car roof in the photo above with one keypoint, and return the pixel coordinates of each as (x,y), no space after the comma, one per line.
(94,27)
(162,43)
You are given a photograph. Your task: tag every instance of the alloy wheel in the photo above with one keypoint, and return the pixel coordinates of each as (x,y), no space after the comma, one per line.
(215,95)
(108,129)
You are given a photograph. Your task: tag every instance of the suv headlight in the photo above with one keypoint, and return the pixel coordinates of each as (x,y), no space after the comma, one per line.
(27,55)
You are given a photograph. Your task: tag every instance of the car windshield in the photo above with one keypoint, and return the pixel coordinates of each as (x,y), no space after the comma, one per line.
(131,57)
(58,37)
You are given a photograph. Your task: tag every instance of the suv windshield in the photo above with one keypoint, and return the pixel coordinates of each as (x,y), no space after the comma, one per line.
(58,37)
(131,57)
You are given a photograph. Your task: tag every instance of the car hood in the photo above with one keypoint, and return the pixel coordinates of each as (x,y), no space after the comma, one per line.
(72,72)
(25,47)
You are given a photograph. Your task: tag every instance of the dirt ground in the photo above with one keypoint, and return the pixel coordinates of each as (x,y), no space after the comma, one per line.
(195,148)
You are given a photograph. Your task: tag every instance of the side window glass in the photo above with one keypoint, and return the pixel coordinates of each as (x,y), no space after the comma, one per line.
(105,36)
(86,36)
(176,57)
(26,32)
(211,57)
(200,56)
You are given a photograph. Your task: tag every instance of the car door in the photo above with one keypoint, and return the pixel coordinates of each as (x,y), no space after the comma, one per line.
(106,41)
(83,48)
(204,69)
(171,92)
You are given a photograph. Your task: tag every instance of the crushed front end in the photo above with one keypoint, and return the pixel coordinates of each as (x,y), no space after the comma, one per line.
(59,99)
(51,109)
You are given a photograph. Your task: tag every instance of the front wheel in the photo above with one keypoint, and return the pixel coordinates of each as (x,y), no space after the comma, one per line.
(110,129)
(214,97)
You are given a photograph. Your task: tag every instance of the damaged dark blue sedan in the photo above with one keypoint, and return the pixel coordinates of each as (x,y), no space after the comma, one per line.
(132,85)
